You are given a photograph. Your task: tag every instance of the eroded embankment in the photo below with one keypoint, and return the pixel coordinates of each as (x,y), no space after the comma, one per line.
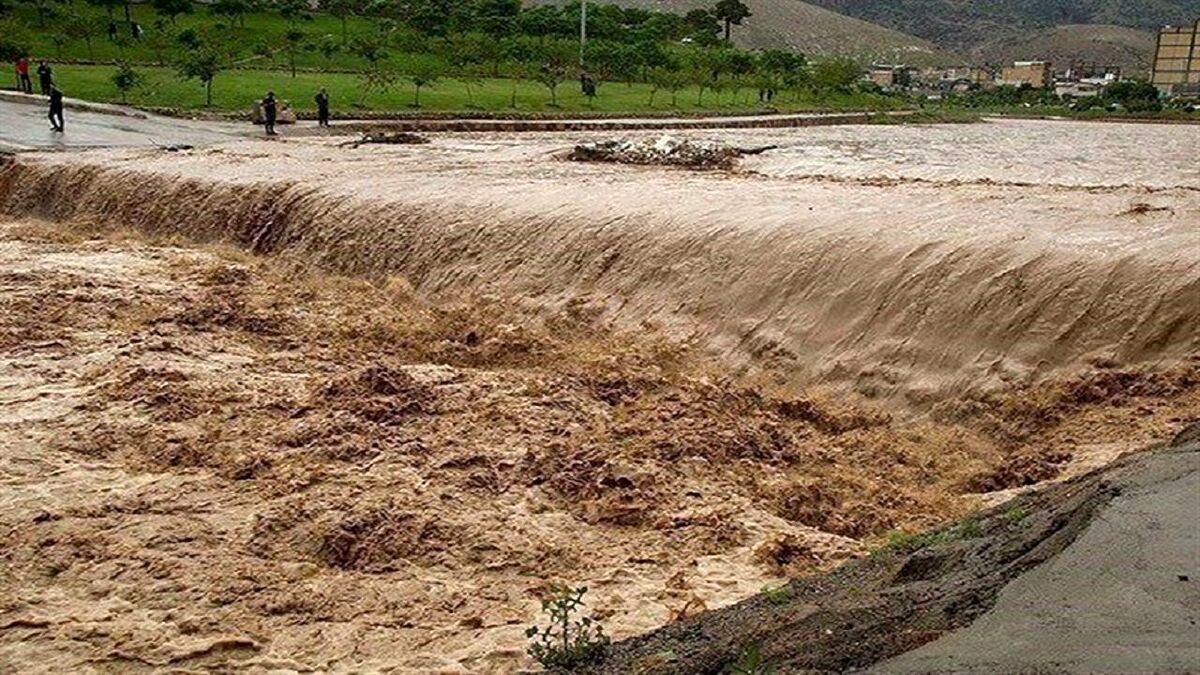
(916,590)
(909,292)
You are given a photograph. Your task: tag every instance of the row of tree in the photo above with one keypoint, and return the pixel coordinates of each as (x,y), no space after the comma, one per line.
(439,18)
(469,58)
(424,41)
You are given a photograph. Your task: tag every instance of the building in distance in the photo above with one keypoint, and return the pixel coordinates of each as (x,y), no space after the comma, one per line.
(1177,60)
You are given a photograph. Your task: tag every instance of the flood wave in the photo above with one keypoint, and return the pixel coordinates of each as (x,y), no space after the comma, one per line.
(909,293)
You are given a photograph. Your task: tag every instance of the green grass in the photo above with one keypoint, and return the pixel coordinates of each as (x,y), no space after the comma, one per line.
(899,541)
(237,90)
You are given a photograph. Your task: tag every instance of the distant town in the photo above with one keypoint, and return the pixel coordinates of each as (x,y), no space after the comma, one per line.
(1175,74)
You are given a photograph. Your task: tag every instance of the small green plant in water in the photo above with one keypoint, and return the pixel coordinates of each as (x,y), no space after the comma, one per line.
(750,662)
(566,642)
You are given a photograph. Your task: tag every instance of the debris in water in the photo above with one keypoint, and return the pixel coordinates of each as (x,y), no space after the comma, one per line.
(667,151)
(383,137)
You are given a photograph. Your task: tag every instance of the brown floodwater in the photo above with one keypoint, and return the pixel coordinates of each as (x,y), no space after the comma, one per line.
(903,262)
(451,373)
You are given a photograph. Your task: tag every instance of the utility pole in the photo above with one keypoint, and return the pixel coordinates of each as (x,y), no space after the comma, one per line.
(582,31)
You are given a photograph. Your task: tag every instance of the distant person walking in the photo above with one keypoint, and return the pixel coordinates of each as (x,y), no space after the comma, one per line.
(135,30)
(269,111)
(322,99)
(112,30)
(56,110)
(45,77)
(23,81)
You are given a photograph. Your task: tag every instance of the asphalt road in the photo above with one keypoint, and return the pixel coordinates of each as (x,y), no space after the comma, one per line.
(24,126)
(1123,598)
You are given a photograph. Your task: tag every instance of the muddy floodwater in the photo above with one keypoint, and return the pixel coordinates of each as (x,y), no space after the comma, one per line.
(294,406)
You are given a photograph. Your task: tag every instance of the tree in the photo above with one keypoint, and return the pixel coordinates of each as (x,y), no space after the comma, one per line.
(78,23)
(293,11)
(706,68)
(107,5)
(126,79)
(327,46)
(467,52)
(496,18)
(294,41)
(60,39)
(172,8)
(556,60)
(702,26)
(234,10)
(12,46)
(46,9)
(1133,95)
(430,17)
(608,60)
(544,21)
(836,74)
(201,59)
(375,77)
(731,13)
(162,39)
(343,10)
(522,53)
(423,72)
(671,78)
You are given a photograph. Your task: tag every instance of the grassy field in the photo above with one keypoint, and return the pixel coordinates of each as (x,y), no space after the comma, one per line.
(262,66)
(237,90)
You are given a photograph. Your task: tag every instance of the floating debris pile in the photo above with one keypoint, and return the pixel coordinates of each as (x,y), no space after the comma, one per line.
(386,138)
(666,151)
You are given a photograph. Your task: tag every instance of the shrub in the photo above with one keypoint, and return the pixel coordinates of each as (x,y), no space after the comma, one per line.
(566,642)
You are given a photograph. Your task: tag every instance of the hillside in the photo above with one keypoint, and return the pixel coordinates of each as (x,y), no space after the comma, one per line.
(802,26)
(968,25)
(1129,48)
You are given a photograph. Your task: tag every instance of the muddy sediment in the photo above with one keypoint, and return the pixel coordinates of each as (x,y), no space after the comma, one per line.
(295,406)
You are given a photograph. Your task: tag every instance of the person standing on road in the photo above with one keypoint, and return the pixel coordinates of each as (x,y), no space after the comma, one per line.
(23,81)
(45,77)
(322,100)
(56,109)
(268,111)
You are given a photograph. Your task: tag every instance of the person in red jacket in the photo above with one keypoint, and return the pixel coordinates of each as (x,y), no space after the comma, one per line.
(23,81)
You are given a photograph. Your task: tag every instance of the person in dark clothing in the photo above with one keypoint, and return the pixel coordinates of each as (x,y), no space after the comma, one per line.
(112,30)
(135,30)
(23,81)
(322,100)
(45,77)
(268,111)
(56,109)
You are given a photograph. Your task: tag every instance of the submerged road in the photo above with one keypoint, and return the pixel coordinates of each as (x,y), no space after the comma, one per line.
(24,126)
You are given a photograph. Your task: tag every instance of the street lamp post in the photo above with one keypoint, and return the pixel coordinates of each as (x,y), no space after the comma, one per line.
(582,31)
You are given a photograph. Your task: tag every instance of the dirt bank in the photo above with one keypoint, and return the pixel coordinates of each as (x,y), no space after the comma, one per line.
(908,265)
(212,462)
(1093,575)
